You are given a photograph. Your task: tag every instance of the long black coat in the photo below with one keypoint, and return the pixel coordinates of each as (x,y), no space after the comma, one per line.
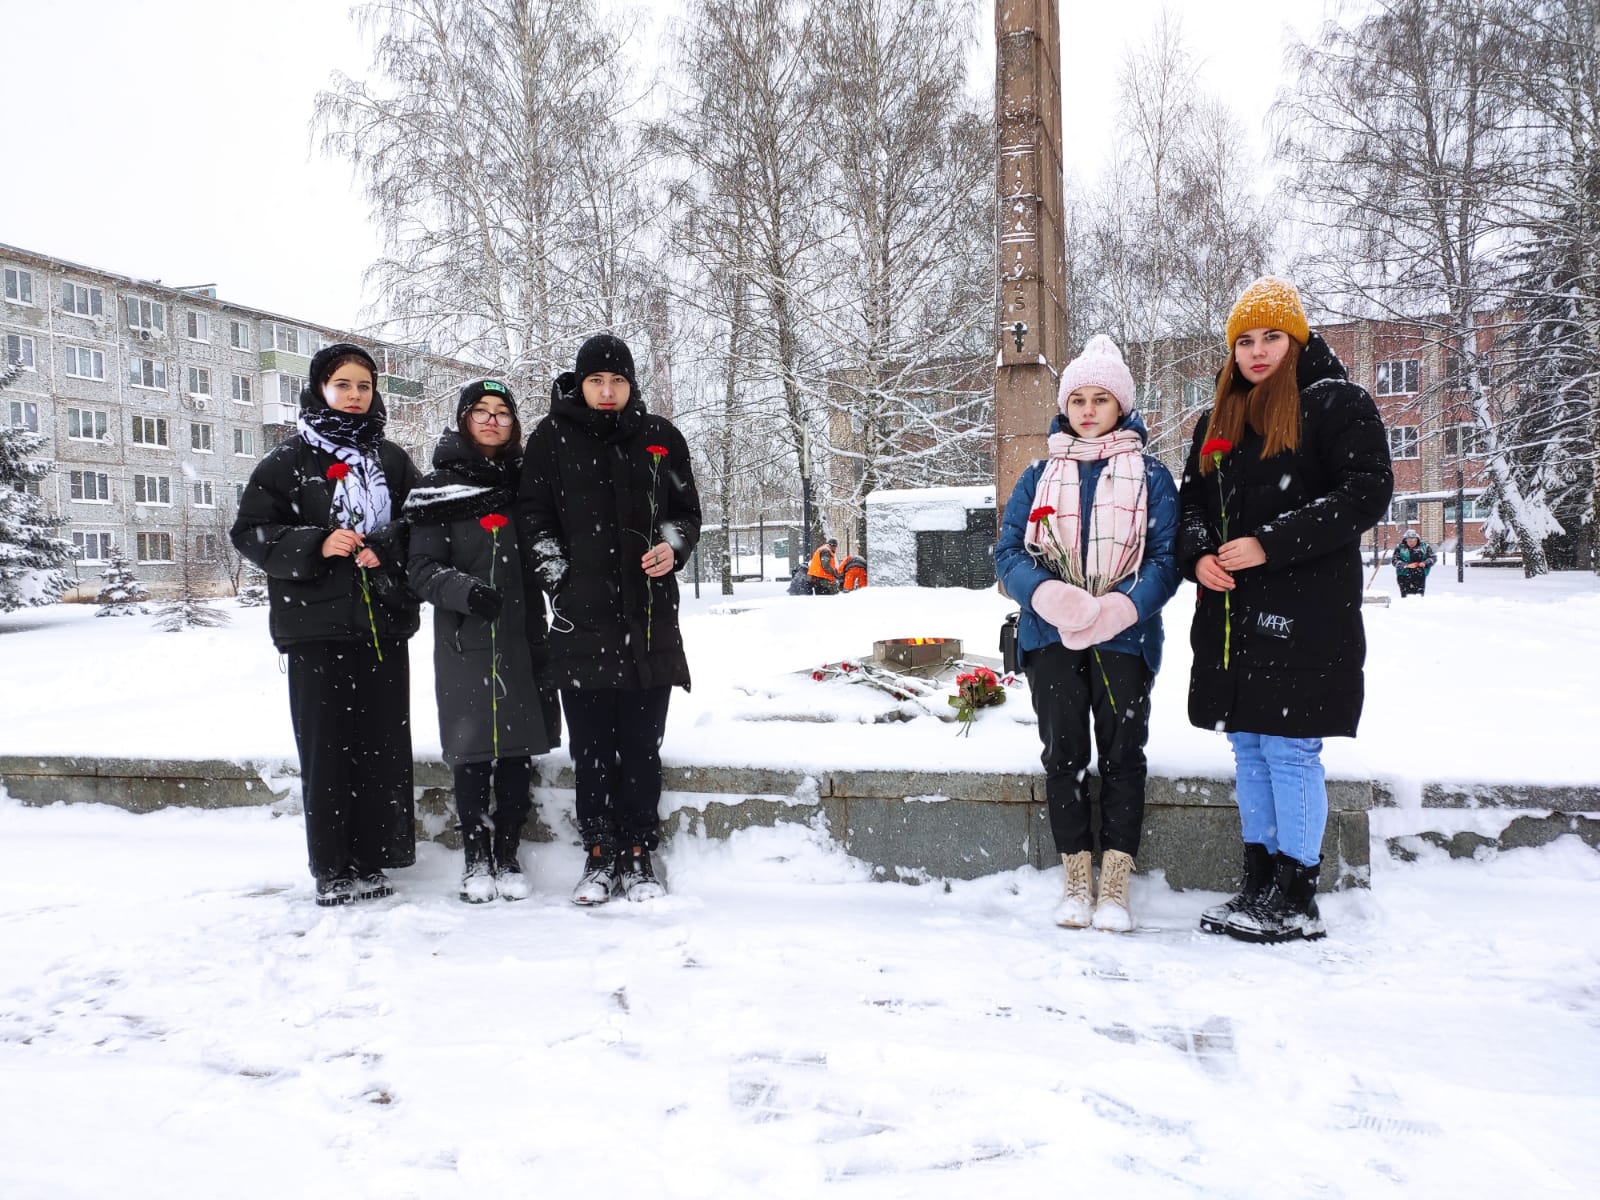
(284,516)
(588,480)
(1297,647)
(451,552)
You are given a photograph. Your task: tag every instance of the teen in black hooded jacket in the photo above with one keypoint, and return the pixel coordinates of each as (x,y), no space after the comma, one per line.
(612,515)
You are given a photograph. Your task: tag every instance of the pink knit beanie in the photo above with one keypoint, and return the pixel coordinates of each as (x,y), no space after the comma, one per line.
(1100,365)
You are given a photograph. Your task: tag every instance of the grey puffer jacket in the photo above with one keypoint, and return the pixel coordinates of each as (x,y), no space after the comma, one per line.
(485,673)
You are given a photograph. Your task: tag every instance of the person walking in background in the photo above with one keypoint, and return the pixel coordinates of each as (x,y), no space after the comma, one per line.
(1285,473)
(1413,559)
(315,517)
(1087,549)
(612,513)
(823,574)
(488,633)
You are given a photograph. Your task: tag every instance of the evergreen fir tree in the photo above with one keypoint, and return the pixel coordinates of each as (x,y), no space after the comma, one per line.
(253,593)
(122,595)
(32,560)
(192,605)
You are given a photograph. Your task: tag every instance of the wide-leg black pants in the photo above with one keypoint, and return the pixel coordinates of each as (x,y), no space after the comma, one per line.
(352,726)
(615,737)
(1072,690)
(507,779)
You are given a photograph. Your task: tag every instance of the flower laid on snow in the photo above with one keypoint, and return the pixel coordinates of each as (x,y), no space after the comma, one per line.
(1216,449)
(978,688)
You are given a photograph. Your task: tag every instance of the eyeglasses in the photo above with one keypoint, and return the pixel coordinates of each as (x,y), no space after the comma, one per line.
(479,417)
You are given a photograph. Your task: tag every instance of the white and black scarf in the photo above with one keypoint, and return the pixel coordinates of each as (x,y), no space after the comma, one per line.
(361,499)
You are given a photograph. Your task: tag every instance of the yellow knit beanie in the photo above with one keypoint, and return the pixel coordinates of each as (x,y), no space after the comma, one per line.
(1269,303)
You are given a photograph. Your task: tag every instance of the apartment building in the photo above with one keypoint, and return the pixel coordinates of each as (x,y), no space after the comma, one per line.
(157,402)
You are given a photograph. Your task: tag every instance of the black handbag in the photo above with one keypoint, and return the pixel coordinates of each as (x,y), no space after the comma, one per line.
(1008,642)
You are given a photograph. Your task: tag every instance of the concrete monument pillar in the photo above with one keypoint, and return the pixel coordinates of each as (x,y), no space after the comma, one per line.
(1030,316)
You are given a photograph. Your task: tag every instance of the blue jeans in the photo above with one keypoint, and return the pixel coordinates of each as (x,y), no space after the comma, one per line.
(1283,793)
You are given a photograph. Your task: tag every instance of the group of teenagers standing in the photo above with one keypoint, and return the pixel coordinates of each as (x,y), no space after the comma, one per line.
(1286,470)
(597,512)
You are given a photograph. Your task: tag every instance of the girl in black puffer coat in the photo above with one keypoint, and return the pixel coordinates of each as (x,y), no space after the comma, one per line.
(1285,473)
(488,632)
(315,517)
(612,514)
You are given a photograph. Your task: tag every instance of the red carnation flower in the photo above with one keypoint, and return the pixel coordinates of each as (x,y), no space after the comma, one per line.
(1217,446)
(658,451)
(819,675)
(493,521)
(1040,513)
(339,470)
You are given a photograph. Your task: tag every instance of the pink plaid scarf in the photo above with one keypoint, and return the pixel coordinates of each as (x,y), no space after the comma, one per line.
(1117,519)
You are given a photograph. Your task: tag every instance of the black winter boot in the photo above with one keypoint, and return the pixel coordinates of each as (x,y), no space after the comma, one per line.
(1257,875)
(1288,910)
(509,881)
(636,876)
(477,875)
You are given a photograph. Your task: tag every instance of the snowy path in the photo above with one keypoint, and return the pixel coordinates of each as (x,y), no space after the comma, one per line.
(193,1026)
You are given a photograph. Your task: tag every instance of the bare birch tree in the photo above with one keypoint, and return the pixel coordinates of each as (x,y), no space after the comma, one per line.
(1406,156)
(481,143)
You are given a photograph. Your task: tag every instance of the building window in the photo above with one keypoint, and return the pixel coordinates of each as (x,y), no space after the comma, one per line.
(93,486)
(150,431)
(1403,442)
(204,494)
(205,547)
(284,337)
(200,437)
(1404,512)
(19,349)
(92,547)
(154,547)
(200,381)
(152,489)
(1473,510)
(239,386)
(197,325)
(24,415)
(244,442)
(1398,377)
(289,389)
(147,373)
(146,315)
(19,286)
(1465,441)
(239,335)
(83,363)
(82,301)
(28,486)
(87,424)
(238,493)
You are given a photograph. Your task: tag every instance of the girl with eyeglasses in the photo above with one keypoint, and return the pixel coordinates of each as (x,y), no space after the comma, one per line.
(488,634)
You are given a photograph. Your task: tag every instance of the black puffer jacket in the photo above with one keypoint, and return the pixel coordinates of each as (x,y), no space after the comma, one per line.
(1297,645)
(284,516)
(588,479)
(480,717)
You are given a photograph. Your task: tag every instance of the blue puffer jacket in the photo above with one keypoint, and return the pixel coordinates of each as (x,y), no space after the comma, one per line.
(1149,587)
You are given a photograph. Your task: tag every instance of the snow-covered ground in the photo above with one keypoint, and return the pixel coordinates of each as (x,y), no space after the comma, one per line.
(178,1020)
(1491,680)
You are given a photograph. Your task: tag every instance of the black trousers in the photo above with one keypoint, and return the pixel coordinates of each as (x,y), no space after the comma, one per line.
(1070,692)
(508,779)
(352,727)
(615,736)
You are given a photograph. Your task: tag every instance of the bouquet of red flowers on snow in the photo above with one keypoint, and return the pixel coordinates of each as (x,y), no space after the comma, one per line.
(978,688)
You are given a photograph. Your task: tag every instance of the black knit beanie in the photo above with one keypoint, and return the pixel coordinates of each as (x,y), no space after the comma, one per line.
(478,389)
(606,352)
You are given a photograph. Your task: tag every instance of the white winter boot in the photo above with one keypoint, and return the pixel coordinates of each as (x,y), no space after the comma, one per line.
(1113,912)
(1076,909)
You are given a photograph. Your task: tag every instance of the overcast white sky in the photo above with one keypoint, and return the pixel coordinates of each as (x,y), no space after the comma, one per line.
(169,139)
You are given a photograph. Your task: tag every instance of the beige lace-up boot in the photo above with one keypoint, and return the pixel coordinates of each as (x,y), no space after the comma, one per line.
(1113,913)
(1076,909)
